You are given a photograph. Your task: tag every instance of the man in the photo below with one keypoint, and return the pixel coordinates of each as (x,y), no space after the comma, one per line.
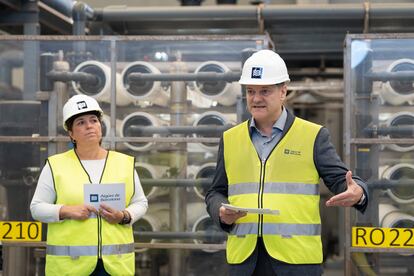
(274,161)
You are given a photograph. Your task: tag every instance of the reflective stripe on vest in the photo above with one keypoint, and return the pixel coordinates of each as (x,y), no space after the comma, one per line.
(76,251)
(272,187)
(287,181)
(283,229)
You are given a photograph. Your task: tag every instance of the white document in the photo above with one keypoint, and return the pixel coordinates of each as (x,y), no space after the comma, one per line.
(251,210)
(112,195)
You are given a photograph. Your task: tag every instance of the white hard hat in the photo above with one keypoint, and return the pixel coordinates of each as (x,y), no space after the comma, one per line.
(79,104)
(264,67)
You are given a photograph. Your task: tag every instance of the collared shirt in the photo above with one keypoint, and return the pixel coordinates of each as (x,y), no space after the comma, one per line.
(264,144)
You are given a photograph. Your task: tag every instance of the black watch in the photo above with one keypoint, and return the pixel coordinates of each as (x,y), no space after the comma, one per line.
(126,219)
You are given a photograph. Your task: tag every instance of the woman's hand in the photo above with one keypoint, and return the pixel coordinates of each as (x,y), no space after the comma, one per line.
(110,215)
(78,212)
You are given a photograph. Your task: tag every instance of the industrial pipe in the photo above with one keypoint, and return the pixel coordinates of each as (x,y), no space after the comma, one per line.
(392,217)
(217,90)
(405,193)
(63,6)
(401,119)
(199,235)
(176,182)
(169,130)
(147,224)
(206,171)
(388,184)
(115,13)
(199,76)
(210,118)
(397,92)
(213,235)
(400,130)
(357,11)
(148,171)
(138,119)
(100,89)
(139,87)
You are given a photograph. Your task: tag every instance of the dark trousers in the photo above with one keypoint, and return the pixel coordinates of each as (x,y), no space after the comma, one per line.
(260,263)
(100,269)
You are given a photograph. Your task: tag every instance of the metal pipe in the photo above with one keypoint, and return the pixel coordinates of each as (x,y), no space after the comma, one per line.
(404,130)
(386,183)
(178,200)
(63,6)
(81,12)
(73,76)
(117,13)
(175,182)
(167,130)
(267,12)
(201,76)
(387,76)
(181,235)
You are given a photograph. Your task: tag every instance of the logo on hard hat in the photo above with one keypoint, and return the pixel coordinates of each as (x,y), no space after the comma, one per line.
(257,72)
(82,105)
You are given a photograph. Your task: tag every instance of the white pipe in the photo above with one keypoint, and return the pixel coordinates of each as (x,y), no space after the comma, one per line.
(146,170)
(143,91)
(210,118)
(391,217)
(106,125)
(139,119)
(148,223)
(207,170)
(197,99)
(205,223)
(399,92)
(402,195)
(401,118)
(222,92)
(102,90)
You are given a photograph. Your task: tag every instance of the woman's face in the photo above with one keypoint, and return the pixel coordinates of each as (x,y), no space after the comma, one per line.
(86,129)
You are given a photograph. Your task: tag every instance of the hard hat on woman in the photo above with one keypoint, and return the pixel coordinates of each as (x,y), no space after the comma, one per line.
(79,104)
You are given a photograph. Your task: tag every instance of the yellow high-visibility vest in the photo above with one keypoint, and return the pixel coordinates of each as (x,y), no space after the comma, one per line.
(74,246)
(287,181)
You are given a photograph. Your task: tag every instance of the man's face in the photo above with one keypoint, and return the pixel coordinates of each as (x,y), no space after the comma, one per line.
(265,102)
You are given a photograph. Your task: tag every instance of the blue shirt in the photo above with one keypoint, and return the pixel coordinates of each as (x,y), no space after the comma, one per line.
(263,143)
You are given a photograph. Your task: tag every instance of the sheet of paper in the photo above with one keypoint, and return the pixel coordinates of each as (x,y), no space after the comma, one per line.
(252,210)
(110,194)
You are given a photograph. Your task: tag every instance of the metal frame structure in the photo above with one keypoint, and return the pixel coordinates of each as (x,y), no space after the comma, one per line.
(361,141)
(177,110)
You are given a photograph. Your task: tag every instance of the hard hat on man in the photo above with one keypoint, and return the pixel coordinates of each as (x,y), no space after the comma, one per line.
(77,105)
(264,67)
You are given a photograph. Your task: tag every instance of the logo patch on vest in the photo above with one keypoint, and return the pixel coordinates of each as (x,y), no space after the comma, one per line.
(94,198)
(257,72)
(292,152)
(82,105)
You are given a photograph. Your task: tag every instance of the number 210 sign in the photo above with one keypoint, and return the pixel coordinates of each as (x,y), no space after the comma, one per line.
(20,231)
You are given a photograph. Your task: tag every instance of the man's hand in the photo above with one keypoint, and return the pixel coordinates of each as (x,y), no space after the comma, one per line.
(350,197)
(230,216)
(110,215)
(78,212)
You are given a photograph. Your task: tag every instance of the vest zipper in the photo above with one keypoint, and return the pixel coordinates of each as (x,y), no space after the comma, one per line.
(99,237)
(260,197)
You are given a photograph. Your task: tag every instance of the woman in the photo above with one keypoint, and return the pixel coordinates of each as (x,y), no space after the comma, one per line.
(82,240)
